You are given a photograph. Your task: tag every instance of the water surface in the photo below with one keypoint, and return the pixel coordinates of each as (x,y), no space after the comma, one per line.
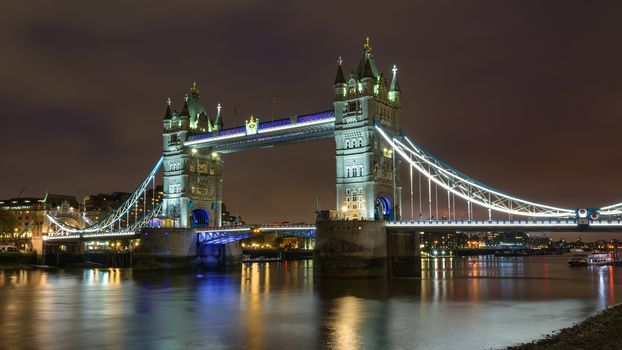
(460,303)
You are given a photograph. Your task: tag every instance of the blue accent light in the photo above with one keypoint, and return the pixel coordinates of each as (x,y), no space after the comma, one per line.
(279,122)
(200,216)
(385,205)
(276,123)
(313,117)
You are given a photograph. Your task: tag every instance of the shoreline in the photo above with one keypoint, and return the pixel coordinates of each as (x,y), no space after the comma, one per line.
(600,331)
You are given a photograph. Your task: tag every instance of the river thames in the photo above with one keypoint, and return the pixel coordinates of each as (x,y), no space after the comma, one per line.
(458,303)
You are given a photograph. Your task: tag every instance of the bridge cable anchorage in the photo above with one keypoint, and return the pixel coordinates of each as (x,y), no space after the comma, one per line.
(465,187)
(117,214)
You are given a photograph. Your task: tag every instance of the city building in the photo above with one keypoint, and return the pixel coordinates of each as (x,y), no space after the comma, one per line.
(30,213)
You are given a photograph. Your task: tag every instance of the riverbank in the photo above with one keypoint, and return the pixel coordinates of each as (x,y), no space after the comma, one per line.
(601,331)
(17,260)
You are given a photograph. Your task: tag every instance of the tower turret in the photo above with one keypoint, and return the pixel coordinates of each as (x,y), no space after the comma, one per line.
(168,114)
(185,110)
(194,108)
(218,123)
(366,58)
(394,90)
(340,81)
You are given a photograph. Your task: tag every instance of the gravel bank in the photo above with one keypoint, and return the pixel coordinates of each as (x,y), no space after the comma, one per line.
(602,331)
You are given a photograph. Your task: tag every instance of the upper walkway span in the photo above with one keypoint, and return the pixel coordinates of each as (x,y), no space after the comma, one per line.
(257,134)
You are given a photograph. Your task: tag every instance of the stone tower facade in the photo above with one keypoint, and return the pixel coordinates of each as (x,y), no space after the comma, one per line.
(192,177)
(368,183)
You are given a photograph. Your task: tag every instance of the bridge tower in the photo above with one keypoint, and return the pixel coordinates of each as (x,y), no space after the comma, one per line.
(368,182)
(192,177)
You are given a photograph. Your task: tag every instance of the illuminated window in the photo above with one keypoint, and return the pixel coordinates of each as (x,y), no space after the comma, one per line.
(354,198)
(354,171)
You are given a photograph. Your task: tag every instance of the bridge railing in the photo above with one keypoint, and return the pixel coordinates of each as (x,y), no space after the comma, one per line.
(482,222)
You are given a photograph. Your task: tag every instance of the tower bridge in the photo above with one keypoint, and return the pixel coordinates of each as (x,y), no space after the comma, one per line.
(370,148)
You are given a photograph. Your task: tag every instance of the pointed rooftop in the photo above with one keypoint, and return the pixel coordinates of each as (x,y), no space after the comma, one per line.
(185,111)
(395,86)
(194,90)
(168,114)
(339,78)
(218,123)
(193,106)
(367,71)
(367,58)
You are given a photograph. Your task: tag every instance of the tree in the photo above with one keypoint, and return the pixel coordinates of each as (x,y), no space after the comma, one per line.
(8,222)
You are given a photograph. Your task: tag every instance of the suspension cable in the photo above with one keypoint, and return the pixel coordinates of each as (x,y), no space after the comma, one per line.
(454,181)
(412,209)
(420,202)
(436,200)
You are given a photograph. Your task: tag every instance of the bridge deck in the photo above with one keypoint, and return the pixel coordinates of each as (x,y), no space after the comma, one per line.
(562,225)
(288,130)
(220,235)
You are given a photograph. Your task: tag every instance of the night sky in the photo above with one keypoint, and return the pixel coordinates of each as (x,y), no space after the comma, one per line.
(525,96)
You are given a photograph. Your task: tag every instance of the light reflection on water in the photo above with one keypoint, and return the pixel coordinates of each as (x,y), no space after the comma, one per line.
(458,303)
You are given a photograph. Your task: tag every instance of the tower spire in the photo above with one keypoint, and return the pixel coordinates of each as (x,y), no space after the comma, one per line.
(395,86)
(185,111)
(362,70)
(339,78)
(394,90)
(367,46)
(194,89)
(168,114)
(218,123)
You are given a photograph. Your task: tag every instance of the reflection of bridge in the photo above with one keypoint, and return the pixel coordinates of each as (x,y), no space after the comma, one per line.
(370,149)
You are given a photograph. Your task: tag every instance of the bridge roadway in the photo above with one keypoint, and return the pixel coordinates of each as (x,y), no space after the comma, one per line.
(309,127)
(544,225)
(208,235)
(223,235)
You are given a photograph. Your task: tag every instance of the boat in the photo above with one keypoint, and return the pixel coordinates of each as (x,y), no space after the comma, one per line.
(585,259)
(578,259)
(599,259)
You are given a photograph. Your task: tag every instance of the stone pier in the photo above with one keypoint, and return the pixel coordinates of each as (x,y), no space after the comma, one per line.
(364,249)
(179,248)
(404,253)
(62,253)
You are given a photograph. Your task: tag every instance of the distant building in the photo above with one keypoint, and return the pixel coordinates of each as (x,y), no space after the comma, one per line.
(99,205)
(228,219)
(25,209)
(30,213)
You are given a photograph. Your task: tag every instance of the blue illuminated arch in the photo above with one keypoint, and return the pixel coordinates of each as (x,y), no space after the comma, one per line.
(385,205)
(201,217)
